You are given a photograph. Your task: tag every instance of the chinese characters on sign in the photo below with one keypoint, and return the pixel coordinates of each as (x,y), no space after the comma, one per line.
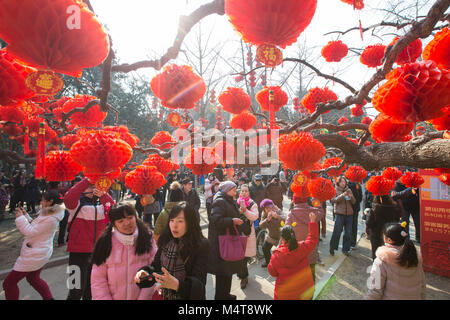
(269,55)
(44,83)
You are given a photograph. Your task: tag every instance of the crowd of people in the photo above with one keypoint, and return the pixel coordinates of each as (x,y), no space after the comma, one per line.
(155,248)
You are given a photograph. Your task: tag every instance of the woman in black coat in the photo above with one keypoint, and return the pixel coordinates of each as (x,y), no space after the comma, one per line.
(384,210)
(32,193)
(180,264)
(224,215)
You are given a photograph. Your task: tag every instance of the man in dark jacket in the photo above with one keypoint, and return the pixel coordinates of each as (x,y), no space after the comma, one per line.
(357,193)
(410,198)
(257,190)
(275,191)
(191,196)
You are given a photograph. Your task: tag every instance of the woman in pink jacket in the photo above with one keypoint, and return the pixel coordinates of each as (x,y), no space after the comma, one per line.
(124,247)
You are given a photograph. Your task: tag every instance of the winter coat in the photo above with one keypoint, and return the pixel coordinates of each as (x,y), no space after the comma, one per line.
(210,190)
(37,247)
(275,191)
(32,193)
(410,201)
(382,214)
(163,218)
(224,209)
(4,198)
(81,234)
(114,279)
(292,269)
(390,281)
(193,286)
(273,226)
(252,215)
(300,215)
(257,193)
(342,206)
(193,200)
(357,193)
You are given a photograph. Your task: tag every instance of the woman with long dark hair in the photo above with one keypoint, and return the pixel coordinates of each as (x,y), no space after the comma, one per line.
(397,272)
(123,247)
(180,264)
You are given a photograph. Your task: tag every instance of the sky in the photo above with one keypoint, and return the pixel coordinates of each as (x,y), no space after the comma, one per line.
(144,29)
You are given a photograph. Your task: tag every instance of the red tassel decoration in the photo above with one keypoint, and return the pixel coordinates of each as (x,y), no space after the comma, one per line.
(40,164)
(26,142)
(272,109)
(361,30)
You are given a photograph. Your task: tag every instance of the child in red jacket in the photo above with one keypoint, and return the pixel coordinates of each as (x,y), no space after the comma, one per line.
(290,265)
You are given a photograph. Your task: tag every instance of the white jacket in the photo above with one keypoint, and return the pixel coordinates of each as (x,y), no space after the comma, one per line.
(37,248)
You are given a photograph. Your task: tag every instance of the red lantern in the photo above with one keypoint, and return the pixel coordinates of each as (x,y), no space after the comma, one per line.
(44,82)
(235,100)
(12,79)
(357,111)
(163,140)
(410,53)
(91,118)
(414,92)
(379,185)
(69,140)
(366,120)
(145,180)
(270,21)
(392,173)
(334,51)
(201,160)
(309,173)
(438,49)
(12,113)
(321,189)
(280,98)
(331,162)
(244,121)
(12,129)
(412,180)
(269,55)
(442,123)
(101,152)
(383,129)
(124,134)
(122,176)
(342,120)
(357,4)
(316,96)
(178,87)
(300,191)
(163,165)
(356,174)
(300,151)
(372,56)
(59,166)
(174,119)
(33,125)
(65,36)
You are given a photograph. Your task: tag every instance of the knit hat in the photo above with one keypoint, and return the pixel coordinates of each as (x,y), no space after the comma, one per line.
(266,203)
(227,186)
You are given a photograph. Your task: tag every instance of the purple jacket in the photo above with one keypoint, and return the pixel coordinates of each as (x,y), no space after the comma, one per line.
(300,215)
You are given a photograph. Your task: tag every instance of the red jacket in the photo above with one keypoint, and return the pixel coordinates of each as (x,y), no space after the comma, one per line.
(81,236)
(292,269)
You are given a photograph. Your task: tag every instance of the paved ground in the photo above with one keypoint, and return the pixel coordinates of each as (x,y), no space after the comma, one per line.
(340,277)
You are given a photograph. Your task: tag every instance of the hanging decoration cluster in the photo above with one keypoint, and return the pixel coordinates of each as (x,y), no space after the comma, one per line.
(356,174)
(59,166)
(372,56)
(410,53)
(438,49)
(201,160)
(412,180)
(334,51)
(244,121)
(163,140)
(91,118)
(392,173)
(163,165)
(334,162)
(280,98)
(145,180)
(379,185)
(316,96)
(383,129)
(234,100)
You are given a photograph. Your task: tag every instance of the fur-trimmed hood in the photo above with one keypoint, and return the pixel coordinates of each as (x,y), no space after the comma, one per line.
(56,208)
(389,254)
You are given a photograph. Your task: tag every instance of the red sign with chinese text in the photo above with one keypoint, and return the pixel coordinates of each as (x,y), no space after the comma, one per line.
(435,224)
(44,82)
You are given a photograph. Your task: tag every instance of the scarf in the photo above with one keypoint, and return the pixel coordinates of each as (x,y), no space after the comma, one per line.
(172,261)
(126,239)
(247,201)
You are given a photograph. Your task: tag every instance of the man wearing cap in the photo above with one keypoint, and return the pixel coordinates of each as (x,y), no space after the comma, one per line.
(257,190)
(190,196)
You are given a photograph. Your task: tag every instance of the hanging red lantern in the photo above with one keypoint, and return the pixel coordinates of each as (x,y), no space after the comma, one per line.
(244,121)
(412,180)
(124,134)
(12,129)
(366,120)
(101,153)
(201,160)
(357,4)
(334,51)
(357,111)
(145,180)
(163,140)
(410,53)
(174,119)
(12,79)
(269,55)
(33,125)
(356,174)
(383,129)
(53,39)
(69,140)
(299,186)
(438,49)
(178,87)
(270,21)
(442,123)
(300,151)
(372,56)
(44,82)
(91,118)
(280,98)
(342,120)
(392,173)
(332,162)
(310,174)
(163,165)
(414,92)
(234,100)
(12,113)
(60,166)
(379,185)
(316,96)
(322,189)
